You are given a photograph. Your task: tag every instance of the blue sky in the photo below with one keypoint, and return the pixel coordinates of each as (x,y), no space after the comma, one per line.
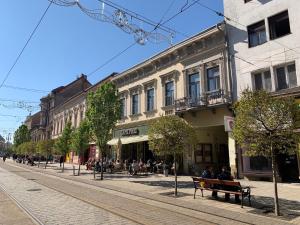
(68,43)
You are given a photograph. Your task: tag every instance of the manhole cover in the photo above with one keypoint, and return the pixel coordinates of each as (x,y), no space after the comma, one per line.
(34,189)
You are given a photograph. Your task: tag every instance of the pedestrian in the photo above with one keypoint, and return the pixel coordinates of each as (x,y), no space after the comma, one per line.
(61,160)
(4,158)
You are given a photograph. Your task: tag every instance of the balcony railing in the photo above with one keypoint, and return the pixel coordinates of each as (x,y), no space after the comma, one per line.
(208,99)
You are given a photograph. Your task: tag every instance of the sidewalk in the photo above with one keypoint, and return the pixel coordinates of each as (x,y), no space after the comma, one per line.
(10,213)
(159,186)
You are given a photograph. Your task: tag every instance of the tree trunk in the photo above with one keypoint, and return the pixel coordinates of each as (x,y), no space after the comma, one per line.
(274,170)
(175,174)
(101,166)
(39,161)
(79,161)
(46,161)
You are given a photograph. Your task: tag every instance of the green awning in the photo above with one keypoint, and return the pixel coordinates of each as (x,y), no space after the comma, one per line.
(128,140)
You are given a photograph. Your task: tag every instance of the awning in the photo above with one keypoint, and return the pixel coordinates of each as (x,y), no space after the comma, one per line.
(128,140)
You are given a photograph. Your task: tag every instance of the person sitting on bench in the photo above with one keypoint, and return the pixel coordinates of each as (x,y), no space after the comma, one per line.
(225,175)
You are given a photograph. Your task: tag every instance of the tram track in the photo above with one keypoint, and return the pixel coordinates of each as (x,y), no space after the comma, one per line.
(182,210)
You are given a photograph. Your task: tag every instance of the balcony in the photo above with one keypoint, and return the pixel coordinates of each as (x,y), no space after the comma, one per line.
(209,99)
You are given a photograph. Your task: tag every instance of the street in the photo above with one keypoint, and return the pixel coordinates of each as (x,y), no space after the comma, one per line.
(50,199)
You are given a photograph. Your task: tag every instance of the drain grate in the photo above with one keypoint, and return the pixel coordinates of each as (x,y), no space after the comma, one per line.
(31,179)
(34,189)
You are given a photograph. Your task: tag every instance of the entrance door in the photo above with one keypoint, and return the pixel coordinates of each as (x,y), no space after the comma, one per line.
(223,155)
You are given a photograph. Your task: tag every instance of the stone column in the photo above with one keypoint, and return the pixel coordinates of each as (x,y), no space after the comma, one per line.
(232,155)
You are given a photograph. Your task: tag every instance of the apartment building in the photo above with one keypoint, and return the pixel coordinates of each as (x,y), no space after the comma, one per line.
(73,110)
(264,54)
(189,79)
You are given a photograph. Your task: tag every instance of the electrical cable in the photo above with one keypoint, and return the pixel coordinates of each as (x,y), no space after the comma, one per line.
(27,42)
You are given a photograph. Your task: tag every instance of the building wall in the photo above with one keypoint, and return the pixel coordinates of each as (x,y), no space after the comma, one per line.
(208,49)
(245,60)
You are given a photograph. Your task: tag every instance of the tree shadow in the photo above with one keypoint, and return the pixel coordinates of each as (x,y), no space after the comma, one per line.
(166,184)
(263,205)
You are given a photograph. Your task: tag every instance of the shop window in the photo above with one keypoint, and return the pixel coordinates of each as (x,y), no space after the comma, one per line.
(135,104)
(203,153)
(194,87)
(286,76)
(169,93)
(213,78)
(257,34)
(279,25)
(262,81)
(150,99)
(123,109)
(260,163)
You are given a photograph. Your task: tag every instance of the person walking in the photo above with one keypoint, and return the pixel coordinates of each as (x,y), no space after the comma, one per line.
(4,158)
(61,160)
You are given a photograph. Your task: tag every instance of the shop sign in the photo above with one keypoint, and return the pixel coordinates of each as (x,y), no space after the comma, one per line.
(130,132)
(228,123)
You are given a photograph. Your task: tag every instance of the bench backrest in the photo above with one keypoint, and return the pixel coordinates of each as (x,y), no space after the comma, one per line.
(208,182)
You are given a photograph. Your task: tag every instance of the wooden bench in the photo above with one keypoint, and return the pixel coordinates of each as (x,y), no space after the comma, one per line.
(224,186)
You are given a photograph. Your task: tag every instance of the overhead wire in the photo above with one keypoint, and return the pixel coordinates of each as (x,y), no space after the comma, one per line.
(24,47)
(131,45)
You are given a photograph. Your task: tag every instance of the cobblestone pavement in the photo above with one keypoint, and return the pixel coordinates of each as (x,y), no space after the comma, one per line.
(8,208)
(52,207)
(154,191)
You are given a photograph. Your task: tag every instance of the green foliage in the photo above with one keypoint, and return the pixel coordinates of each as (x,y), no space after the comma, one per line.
(103,112)
(26,148)
(21,135)
(263,121)
(63,143)
(170,134)
(45,147)
(80,137)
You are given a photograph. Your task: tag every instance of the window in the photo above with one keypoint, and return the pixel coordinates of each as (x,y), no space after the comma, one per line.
(213,78)
(256,34)
(150,99)
(279,25)
(169,93)
(135,104)
(286,76)
(203,153)
(260,163)
(262,80)
(194,86)
(123,109)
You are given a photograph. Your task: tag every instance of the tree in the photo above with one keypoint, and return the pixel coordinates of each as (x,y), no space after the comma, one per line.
(170,135)
(63,143)
(103,111)
(21,135)
(80,140)
(264,126)
(27,148)
(45,148)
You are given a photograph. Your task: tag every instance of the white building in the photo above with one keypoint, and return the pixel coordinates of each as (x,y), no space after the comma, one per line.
(264,46)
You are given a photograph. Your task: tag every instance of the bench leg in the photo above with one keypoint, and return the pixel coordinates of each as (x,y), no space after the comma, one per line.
(195,193)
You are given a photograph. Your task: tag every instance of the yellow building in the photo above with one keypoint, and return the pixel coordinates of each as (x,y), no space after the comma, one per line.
(190,79)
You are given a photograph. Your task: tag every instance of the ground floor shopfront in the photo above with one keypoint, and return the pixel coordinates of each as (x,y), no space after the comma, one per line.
(211,149)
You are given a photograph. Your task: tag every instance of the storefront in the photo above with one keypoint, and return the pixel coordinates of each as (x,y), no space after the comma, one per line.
(131,144)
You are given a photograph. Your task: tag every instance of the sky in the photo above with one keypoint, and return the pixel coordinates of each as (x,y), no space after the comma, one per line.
(68,43)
